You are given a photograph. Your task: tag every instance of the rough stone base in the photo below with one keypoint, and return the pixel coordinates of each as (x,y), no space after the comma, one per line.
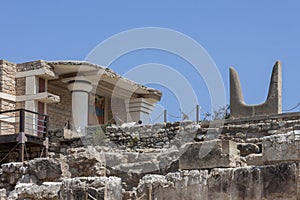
(48,190)
(208,155)
(92,188)
(251,183)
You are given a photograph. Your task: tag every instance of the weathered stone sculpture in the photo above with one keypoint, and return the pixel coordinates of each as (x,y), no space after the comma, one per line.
(273,104)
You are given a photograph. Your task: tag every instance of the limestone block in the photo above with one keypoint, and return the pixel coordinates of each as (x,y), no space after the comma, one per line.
(209,154)
(279,181)
(281,148)
(179,185)
(254,159)
(85,162)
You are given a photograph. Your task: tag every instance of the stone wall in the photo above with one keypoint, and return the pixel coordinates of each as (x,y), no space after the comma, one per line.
(135,137)
(161,135)
(8,74)
(267,182)
(260,126)
(59,144)
(7,86)
(21,85)
(165,135)
(60,112)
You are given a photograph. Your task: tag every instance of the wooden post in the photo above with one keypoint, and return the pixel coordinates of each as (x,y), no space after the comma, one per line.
(197,114)
(150,192)
(165,115)
(86,195)
(21,152)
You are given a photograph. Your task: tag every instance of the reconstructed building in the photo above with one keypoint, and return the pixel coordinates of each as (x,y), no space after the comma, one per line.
(74,94)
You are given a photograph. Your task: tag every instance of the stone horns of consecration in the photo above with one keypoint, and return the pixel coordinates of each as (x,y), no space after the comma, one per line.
(273,104)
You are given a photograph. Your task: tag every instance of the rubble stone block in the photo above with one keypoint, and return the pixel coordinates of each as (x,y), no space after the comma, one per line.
(254,159)
(45,169)
(209,154)
(2,194)
(47,190)
(91,187)
(179,185)
(11,167)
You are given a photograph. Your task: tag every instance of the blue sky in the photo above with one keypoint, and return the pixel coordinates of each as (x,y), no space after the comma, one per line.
(249,35)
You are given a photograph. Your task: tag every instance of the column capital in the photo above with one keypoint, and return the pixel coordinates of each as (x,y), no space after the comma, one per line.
(76,84)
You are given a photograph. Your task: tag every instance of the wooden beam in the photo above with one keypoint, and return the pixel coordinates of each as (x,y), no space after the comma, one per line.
(8,138)
(21,152)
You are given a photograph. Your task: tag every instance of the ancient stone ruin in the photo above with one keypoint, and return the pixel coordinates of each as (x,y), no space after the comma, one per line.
(253,155)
